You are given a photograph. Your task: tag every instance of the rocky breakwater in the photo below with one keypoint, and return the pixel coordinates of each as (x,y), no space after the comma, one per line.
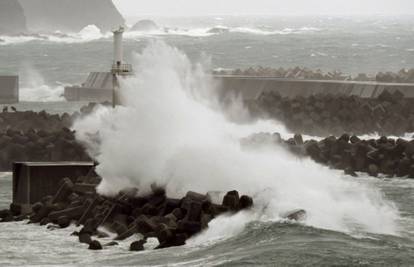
(39,136)
(383,156)
(323,115)
(402,76)
(290,73)
(170,220)
(39,145)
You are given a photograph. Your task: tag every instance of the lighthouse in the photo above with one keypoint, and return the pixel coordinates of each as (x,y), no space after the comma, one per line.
(104,86)
(119,67)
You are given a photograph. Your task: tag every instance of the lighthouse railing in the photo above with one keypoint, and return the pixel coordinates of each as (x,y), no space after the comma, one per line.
(121,68)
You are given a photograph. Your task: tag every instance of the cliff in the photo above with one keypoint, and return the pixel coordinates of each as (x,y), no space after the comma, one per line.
(12,19)
(71,15)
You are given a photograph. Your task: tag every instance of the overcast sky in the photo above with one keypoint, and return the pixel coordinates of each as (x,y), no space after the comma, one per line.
(288,7)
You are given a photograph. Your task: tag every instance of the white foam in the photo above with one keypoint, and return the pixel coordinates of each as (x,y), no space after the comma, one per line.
(35,88)
(87,34)
(171,132)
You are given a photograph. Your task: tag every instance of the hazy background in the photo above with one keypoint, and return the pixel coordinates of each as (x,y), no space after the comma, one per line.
(292,7)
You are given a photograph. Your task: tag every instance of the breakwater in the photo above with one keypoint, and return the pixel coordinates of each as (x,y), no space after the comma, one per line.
(326,114)
(387,156)
(39,136)
(170,220)
(251,87)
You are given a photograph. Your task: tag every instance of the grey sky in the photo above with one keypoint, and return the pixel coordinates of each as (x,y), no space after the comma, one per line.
(291,7)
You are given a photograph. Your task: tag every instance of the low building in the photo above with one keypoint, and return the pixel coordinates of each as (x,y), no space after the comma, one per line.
(9,89)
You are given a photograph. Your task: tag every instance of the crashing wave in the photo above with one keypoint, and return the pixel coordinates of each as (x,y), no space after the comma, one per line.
(92,33)
(87,34)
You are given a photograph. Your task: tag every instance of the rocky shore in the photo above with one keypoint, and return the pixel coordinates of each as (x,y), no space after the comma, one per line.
(172,221)
(39,136)
(402,76)
(324,115)
(387,156)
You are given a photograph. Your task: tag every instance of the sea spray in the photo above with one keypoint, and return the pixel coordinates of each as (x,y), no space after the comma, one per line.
(166,134)
(34,87)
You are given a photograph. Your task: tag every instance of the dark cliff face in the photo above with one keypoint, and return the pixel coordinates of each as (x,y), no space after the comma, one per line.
(70,15)
(12,19)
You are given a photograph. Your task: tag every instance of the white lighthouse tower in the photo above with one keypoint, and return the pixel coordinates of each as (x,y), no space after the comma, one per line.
(119,67)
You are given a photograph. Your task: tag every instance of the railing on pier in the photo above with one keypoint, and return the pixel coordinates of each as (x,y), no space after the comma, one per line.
(121,69)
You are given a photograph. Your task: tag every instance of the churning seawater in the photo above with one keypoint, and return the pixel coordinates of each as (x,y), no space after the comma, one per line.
(260,243)
(349,44)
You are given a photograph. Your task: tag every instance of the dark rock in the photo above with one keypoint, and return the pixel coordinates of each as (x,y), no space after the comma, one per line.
(373,170)
(176,240)
(63,221)
(137,245)
(75,233)
(178,213)
(8,218)
(45,221)
(351,172)
(20,218)
(231,200)
(95,245)
(15,209)
(71,213)
(4,213)
(37,207)
(245,202)
(189,227)
(296,215)
(298,139)
(85,238)
(193,209)
(145,225)
(163,233)
(64,191)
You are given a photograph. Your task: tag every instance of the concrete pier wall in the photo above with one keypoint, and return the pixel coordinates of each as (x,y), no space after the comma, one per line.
(9,89)
(249,87)
(98,87)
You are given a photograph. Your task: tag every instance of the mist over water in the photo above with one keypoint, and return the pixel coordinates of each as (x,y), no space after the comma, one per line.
(36,89)
(172,132)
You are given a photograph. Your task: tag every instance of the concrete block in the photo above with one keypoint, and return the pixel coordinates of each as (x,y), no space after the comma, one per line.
(34,180)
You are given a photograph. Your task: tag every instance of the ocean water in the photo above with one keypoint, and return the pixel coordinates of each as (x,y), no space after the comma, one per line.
(260,243)
(348,44)
(380,211)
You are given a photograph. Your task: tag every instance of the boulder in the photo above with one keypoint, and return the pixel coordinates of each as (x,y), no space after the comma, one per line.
(231,200)
(95,245)
(85,238)
(296,215)
(137,245)
(373,170)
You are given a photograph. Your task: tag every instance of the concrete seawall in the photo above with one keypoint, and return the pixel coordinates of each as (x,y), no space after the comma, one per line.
(98,87)
(251,87)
